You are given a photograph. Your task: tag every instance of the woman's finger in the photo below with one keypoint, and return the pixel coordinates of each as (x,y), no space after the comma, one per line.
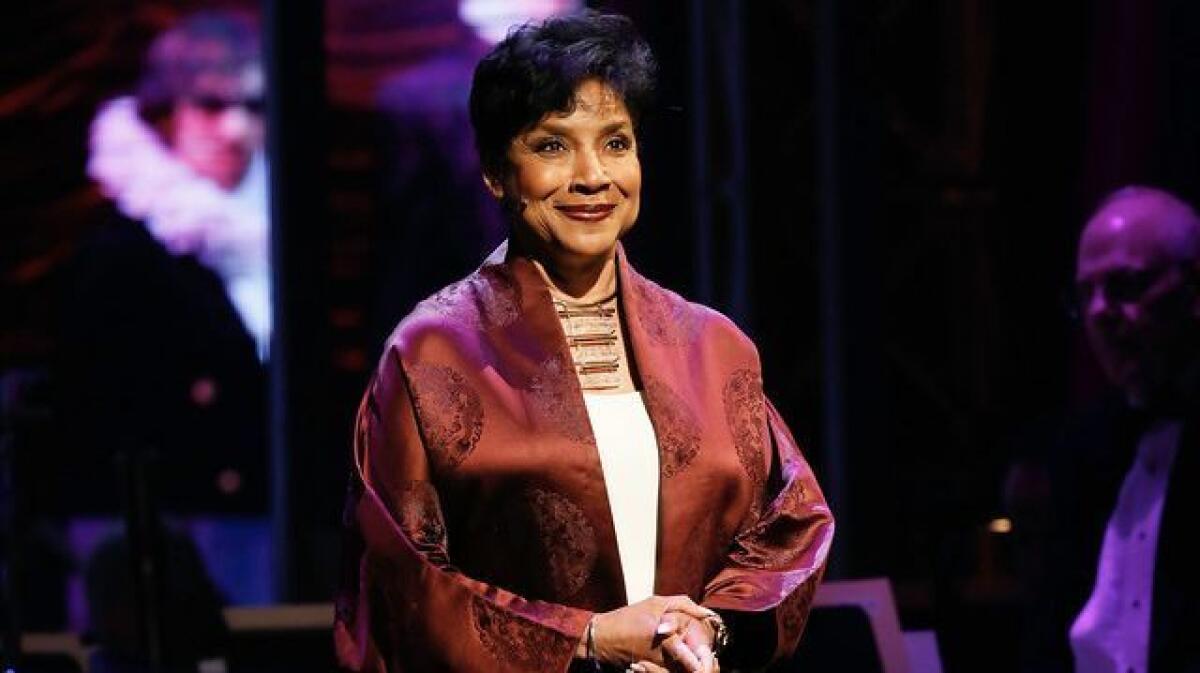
(703,653)
(647,667)
(678,650)
(708,660)
(687,606)
(696,637)
(696,634)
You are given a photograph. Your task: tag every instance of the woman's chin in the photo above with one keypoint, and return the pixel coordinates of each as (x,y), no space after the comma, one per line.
(586,247)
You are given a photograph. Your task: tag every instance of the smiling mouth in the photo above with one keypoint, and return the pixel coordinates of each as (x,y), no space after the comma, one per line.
(587,213)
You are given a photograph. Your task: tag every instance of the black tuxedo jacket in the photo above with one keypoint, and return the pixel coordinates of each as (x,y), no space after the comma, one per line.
(1086,471)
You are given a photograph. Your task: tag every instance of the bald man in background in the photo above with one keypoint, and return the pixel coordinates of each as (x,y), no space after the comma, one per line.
(1137,281)
(1120,590)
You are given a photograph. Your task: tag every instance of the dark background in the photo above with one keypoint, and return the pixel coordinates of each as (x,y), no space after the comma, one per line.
(885,194)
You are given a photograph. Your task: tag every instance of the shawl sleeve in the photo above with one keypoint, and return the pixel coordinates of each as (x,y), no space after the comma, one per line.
(766,587)
(402,605)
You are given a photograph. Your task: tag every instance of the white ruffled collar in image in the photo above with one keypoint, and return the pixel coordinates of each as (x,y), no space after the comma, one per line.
(227,231)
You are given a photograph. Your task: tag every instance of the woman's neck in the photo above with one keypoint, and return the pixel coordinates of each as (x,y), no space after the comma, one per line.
(581,281)
(584,295)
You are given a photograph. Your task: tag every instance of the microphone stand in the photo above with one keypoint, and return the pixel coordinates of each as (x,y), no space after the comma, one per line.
(143,529)
(10,571)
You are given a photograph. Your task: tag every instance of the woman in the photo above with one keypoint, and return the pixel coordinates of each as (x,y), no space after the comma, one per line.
(559,463)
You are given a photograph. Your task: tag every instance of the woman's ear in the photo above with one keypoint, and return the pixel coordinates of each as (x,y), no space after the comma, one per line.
(494,186)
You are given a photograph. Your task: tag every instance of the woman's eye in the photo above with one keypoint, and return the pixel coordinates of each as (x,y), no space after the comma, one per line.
(619,143)
(550,146)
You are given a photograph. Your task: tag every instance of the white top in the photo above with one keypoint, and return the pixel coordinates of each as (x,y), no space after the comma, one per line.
(629,457)
(1112,633)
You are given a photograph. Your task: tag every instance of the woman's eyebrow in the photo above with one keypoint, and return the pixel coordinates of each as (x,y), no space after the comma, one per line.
(559,128)
(615,126)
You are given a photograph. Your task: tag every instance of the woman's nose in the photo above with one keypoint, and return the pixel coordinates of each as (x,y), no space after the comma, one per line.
(590,174)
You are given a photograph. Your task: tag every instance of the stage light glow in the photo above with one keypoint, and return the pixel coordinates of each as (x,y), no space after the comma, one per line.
(492,18)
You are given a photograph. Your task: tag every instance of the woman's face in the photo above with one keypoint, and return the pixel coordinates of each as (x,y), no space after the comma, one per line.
(576,179)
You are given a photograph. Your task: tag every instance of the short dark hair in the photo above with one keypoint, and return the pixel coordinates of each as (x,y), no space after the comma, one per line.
(206,43)
(537,68)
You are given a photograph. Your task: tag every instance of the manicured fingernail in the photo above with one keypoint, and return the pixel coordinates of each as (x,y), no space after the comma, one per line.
(637,667)
(665,627)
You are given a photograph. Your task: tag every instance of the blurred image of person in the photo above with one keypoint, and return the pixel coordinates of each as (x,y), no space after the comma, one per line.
(1120,592)
(166,322)
(184,156)
(561,465)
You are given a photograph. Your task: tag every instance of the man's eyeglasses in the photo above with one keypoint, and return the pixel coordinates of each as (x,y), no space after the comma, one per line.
(217,104)
(1120,287)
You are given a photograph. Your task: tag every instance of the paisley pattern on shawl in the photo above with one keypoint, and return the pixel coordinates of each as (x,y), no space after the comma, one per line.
(552,395)
(486,300)
(746,416)
(512,640)
(667,318)
(450,410)
(676,427)
(566,536)
(421,516)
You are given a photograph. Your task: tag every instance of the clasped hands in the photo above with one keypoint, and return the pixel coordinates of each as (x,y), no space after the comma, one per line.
(656,635)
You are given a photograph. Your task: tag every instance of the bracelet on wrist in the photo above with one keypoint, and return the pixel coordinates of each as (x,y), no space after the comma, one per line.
(590,643)
(720,633)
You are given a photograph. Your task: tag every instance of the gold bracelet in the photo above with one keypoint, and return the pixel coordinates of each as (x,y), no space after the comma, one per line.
(720,633)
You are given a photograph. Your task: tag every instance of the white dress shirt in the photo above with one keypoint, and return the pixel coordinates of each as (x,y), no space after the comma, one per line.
(1112,633)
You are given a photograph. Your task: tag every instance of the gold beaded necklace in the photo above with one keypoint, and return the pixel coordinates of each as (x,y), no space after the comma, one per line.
(593,334)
